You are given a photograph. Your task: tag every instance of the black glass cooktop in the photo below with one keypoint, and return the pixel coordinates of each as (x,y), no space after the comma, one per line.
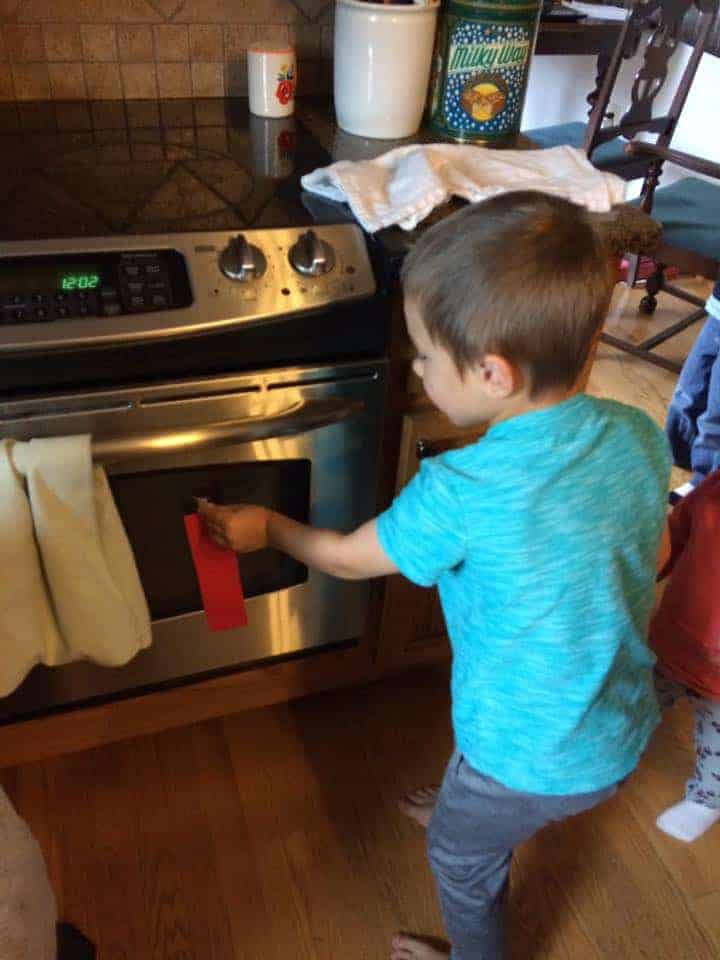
(93,169)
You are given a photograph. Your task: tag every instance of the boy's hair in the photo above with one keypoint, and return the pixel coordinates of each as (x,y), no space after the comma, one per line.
(524,275)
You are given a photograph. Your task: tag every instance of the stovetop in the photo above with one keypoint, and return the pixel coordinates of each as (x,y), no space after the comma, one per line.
(108,168)
(191,171)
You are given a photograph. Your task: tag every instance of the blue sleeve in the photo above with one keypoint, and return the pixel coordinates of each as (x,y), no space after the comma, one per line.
(423,531)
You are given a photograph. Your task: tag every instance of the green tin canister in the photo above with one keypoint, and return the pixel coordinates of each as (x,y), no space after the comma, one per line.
(480,69)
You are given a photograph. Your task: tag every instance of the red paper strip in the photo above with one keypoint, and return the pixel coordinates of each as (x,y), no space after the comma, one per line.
(218,578)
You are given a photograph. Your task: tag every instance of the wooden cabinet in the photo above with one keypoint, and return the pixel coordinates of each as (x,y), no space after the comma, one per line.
(413,627)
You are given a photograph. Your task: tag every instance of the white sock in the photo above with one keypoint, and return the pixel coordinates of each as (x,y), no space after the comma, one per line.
(687,820)
(684,489)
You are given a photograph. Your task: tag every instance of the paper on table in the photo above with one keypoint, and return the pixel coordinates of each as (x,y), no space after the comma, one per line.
(218,578)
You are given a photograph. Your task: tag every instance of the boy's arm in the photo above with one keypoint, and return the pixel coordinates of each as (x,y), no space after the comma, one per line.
(352,556)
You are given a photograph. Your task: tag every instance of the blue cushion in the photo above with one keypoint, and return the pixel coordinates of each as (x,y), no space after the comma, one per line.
(689,211)
(611,154)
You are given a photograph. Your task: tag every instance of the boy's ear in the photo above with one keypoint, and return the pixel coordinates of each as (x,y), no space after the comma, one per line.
(499,377)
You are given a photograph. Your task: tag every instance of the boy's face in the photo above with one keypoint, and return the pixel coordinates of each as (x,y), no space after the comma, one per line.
(469,400)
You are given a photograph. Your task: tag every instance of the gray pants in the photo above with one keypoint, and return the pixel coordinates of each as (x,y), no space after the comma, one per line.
(704,785)
(475,826)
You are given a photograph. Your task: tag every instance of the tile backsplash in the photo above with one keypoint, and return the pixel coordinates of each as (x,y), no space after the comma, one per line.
(150,49)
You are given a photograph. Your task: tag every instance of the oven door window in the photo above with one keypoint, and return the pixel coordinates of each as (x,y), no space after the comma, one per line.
(152,506)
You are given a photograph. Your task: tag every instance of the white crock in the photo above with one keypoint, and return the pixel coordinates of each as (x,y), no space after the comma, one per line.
(383,54)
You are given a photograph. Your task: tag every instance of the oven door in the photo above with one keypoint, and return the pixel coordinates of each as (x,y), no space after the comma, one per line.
(304,441)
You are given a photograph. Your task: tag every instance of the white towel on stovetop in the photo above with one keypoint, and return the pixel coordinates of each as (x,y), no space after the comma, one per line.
(406,184)
(69,587)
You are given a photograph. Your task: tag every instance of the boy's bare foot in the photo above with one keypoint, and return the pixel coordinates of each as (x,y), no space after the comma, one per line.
(405,947)
(419,804)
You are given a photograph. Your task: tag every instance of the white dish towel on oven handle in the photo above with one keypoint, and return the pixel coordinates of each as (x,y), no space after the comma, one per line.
(404,185)
(71,588)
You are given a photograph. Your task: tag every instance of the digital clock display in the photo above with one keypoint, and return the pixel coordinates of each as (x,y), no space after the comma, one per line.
(86,280)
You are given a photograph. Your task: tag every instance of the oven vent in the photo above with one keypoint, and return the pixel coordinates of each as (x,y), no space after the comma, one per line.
(195,397)
(21,415)
(362,376)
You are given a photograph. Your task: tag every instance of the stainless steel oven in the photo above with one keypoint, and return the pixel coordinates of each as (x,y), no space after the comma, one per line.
(172,418)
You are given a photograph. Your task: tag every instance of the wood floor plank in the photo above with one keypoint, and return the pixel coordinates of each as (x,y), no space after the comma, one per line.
(660,782)
(707,910)
(541,922)
(179,871)
(275,834)
(270,817)
(622,893)
(238,876)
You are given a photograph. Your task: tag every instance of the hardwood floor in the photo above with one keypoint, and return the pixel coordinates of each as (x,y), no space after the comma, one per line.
(273,834)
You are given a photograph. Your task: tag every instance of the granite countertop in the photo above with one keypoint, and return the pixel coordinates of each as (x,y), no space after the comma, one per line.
(103,168)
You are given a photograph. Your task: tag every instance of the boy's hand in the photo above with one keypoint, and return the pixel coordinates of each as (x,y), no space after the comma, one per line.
(241,527)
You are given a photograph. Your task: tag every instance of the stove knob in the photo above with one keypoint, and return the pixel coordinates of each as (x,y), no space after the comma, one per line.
(311,255)
(242,261)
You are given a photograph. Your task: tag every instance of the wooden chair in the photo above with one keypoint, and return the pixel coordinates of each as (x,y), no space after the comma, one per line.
(605,146)
(689,212)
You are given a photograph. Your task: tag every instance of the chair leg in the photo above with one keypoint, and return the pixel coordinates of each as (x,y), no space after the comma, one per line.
(653,285)
(633,268)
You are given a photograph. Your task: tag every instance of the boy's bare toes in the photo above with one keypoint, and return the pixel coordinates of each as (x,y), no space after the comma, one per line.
(419,804)
(407,947)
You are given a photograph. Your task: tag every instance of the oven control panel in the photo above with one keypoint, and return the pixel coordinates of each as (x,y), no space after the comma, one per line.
(58,294)
(66,286)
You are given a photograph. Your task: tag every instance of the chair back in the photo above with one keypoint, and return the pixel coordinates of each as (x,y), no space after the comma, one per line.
(662,21)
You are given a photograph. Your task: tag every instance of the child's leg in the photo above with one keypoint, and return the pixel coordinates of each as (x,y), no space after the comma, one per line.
(705,453)
(475,826)
(691,397)
(700,809)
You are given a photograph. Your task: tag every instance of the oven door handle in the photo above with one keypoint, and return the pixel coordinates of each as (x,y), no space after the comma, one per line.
(299,418)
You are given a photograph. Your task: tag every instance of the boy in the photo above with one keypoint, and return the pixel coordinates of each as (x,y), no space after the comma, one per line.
(542,538)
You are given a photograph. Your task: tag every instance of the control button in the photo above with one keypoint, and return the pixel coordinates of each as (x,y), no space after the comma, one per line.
(108,293)
(41,314)
(136,287)
(242,261)
(137,302)
(85,310)
(311,256)
(38,298)
(61,297)
(111,308)
(19,315)
(62,312)
(14,299)
(157,286)
(131,270)
(153,269)
(159,300)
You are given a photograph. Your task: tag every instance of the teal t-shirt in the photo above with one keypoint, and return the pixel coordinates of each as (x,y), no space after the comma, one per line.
(542,538)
